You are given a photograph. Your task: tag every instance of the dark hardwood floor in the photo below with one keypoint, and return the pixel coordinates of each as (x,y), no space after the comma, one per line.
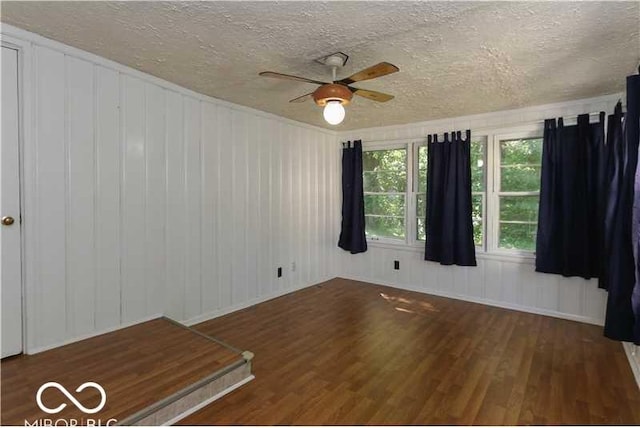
(137,366)
(345,352)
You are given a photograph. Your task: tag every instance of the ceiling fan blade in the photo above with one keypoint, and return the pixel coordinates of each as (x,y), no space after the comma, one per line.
(372,95)
(302,98)
(290,77)
(372,72)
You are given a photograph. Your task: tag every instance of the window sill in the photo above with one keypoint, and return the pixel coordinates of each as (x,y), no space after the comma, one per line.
(505,256)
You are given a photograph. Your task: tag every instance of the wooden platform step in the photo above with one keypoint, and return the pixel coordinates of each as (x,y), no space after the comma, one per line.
(153,373)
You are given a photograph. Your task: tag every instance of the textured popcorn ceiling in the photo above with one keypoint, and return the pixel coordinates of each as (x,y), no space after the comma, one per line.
(455,58)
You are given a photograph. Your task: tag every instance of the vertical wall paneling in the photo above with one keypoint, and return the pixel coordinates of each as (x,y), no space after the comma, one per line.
(239,211)
(156,197)
(209,174)
(290,227)
(80,196)
(254,144)
(174,220)
(134,198)
(262,210)
(315,260)
(107,123)
(192,209)
(276,242)
(50,293)
(296,247)
(225,215)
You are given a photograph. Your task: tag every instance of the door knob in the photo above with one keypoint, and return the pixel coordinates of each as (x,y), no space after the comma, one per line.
(7,220)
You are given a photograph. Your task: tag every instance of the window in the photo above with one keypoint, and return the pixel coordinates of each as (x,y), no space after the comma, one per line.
(519,192)
(505,190)
(385,186)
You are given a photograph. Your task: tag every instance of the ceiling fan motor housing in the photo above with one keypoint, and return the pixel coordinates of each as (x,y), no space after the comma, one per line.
(332,92)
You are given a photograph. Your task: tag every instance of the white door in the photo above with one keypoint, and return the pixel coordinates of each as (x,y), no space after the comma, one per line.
(10,268)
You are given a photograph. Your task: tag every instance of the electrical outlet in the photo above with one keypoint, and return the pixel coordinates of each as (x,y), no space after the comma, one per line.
(279,272)
(396,264)
(293,266)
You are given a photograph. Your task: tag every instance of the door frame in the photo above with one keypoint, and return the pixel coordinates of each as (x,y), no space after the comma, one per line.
(24,113)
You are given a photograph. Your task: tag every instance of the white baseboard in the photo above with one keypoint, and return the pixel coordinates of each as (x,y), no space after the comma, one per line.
(633,355)
(481,300)
(224,311)
(90,335)
(210,400)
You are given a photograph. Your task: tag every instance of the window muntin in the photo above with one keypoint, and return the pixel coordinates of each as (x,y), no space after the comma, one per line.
(385,184)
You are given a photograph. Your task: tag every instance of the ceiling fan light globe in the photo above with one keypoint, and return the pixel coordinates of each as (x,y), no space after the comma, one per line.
(333,113)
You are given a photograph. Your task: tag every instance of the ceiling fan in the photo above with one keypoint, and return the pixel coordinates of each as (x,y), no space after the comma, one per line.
(333,96)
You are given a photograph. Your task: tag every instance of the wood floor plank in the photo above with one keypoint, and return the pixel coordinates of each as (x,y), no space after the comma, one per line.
(345,352)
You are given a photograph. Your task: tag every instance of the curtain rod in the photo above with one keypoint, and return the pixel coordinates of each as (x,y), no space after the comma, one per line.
(489,127)
(594,113)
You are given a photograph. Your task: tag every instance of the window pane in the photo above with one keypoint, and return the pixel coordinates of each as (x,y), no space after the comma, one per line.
(384,181)
(386,205)
(477,166)
(385,227)
(520,178)
(519,208)
(518,151)
(520,162)
(519,236)
(421,231)
(518,222)
(421,212)
(476,215)
(385,170)
(422,169)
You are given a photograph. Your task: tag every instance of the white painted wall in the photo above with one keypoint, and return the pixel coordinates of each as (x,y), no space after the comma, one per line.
(143,198)
(497,280)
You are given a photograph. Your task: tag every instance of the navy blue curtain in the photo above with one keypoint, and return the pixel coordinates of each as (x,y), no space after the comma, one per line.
(570,222)
(621,240)
(352,233)
(632,131)
(449,226)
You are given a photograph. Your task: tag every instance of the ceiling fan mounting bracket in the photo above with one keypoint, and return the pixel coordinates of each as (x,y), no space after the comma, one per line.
(337,59)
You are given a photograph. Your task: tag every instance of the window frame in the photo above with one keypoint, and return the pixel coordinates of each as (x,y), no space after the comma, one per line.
(491,195)
(493,242)
(392,145)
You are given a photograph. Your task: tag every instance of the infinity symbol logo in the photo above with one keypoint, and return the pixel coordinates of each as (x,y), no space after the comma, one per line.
(79,405)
